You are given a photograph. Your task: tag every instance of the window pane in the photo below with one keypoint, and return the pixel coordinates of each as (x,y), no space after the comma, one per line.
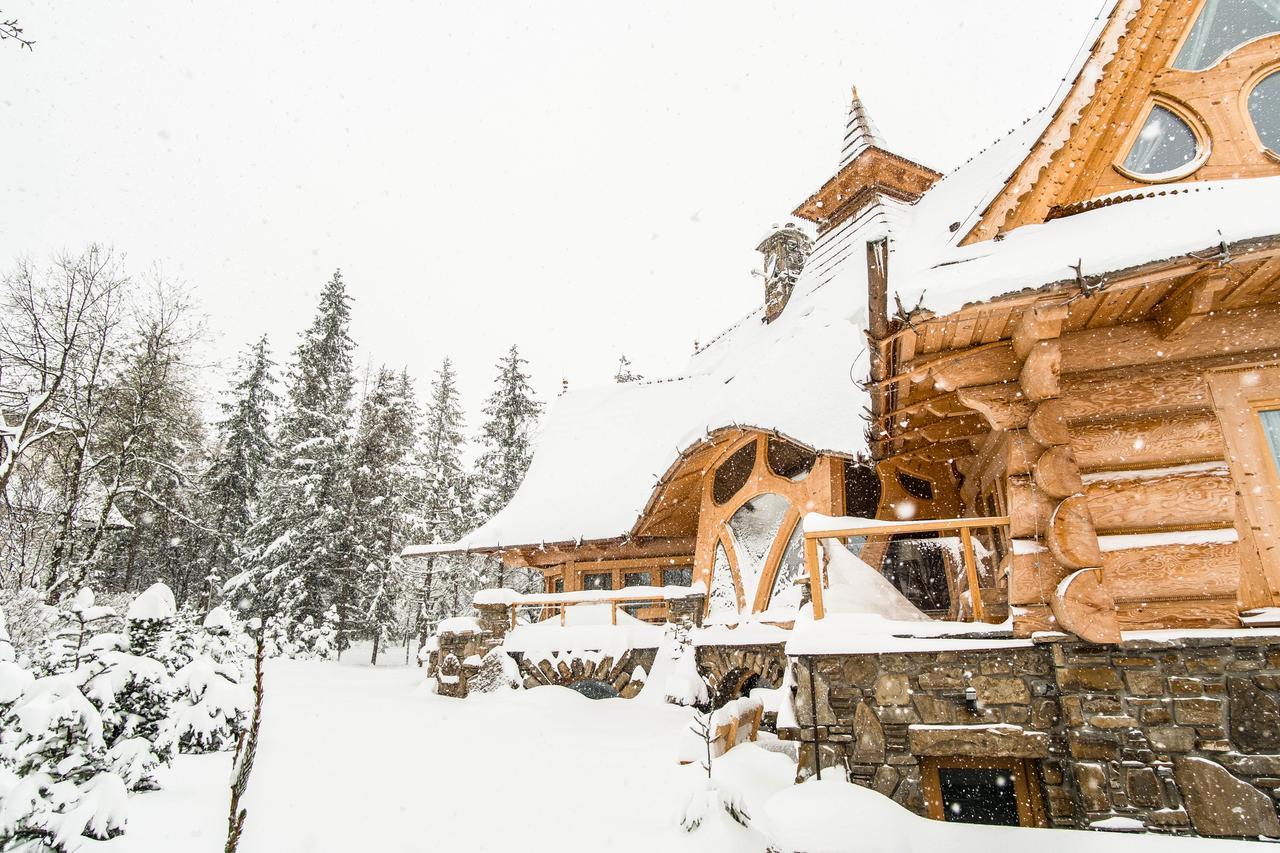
(677,577)
(1223,26)
(722,605)
(1264,109)
(734,473)
(789,460)
(786,592)
(601,580)
(1271,428)
(754,527)
(635,579)
(1165,145)
(978,795)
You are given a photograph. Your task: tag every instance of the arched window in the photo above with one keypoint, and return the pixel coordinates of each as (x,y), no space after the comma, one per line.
(753,528)
(1264,110)
(786,592)
(788,460)
(1165,148)
(1224,25)
(733,473)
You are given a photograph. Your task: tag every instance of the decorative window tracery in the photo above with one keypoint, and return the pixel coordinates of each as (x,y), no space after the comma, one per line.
(733,473)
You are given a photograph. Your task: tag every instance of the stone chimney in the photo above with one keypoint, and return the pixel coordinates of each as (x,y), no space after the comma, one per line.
(785,251)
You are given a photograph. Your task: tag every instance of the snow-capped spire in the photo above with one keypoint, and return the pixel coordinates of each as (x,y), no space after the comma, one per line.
(860,132)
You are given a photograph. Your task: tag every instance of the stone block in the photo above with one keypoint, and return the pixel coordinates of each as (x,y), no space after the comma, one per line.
(983,741)
(1219,804)
(1182,686)
(859,670)
(1252,765)
(941,678)
(1094,747)
(1198,712)
(1112,721)
(933,710)
(1156,715)
(1088,678)
(869,748)
(885,780)
(893,689)
(994,690)
(1255,717)
(1168,818)
(1018,715)
(1132,660)
(1143,788)
(1171,738)
(898,715)
(1044,714)
(1144,683)
(1091,781)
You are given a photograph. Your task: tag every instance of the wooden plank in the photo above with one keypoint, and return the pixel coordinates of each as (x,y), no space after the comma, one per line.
(1174,615)
(1172,572)
(1147,442)
(971,572)
(924,526)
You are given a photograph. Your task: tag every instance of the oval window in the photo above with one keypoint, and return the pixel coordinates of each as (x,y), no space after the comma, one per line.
(789,460)
(1223,26)
(1164,147)
(1264,109)
(734,473)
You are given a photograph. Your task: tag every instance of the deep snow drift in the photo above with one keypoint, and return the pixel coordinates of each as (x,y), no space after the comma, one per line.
(358,758)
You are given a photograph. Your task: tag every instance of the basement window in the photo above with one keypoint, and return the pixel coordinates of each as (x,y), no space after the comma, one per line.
(734,473)
(1224,25)
(1264,110)
(1166,147)
(978,795)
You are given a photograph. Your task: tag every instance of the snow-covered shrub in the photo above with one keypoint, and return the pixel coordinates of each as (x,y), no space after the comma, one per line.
(53,788)
(181,645)
(73,625)
(27,621)
(14,679)
(149,621)
(211,708)
(224,641)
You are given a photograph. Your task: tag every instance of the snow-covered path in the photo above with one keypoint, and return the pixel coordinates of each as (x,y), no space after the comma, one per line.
(354,758)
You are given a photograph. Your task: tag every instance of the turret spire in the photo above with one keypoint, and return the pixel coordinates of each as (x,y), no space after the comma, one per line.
(860,132)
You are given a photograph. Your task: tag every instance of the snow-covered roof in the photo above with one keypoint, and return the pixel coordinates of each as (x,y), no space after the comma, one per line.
(601,452)
(860,132)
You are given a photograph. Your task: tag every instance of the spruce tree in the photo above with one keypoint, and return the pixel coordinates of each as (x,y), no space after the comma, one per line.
(235,478)
(300,543)
(382,471)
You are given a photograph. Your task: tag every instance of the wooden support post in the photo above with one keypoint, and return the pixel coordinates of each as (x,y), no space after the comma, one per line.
(815,576)
(613,611)
(513,617)
(971,570)
(1191,303)
(563,608)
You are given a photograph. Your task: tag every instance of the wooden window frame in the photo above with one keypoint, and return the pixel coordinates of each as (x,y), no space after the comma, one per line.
(1246,90)
(1024,771)
(1204,141)
(1254,473)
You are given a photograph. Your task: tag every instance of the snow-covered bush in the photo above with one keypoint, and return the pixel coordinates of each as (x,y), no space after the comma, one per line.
(53,788)
(211,707)
(181,645)
(72,626)
(28,621)
(149,621)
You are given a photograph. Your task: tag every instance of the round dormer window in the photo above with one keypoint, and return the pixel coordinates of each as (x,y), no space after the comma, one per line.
(1166,147)
(1264,110)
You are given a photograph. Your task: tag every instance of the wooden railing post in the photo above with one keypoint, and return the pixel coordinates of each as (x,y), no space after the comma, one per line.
(513,617)
(613,611)
(971,571)
(815,576)
(563,608)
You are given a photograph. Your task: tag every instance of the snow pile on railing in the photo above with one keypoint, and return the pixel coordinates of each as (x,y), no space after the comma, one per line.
(510,597)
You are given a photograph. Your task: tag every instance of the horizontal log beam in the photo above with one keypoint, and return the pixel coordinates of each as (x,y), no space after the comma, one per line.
(1148,442)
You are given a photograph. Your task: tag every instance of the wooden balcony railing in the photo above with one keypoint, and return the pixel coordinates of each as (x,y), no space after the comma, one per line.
(818,527)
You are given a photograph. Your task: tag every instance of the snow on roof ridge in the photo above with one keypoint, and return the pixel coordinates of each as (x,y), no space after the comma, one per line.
(860,132)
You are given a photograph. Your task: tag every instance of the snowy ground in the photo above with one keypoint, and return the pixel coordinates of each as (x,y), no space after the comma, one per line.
(358,758)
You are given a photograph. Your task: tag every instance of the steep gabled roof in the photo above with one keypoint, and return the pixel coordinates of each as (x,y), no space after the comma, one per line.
(860,132)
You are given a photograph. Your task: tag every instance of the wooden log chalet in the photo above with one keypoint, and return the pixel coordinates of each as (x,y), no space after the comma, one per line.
(988,489)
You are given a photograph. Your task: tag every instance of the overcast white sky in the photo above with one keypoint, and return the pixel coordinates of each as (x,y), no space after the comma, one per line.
(580,178)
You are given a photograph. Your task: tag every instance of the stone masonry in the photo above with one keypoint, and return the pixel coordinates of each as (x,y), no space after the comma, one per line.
(1180,735)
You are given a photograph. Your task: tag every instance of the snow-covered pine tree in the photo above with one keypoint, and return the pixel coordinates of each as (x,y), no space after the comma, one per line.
(300,542)
(511,413)
(445,509)
(381,489)
(212,700)
(624,372)
(234,481)
(74,625)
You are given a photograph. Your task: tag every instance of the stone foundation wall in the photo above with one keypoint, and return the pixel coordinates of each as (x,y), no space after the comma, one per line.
(727,669)
(1182,736)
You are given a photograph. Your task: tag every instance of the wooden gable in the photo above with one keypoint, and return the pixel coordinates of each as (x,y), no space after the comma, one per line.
(1080,155)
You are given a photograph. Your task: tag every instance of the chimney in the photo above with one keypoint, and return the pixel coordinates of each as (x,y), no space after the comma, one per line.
(785,251)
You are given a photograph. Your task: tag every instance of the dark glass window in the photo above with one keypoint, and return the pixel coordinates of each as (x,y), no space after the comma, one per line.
(861,490)
(734,473)
(598,580)
(978,795)
(593,689)
(678,577)
(788,460)
(915,564)
(636,579)
(917,487)
(558,585)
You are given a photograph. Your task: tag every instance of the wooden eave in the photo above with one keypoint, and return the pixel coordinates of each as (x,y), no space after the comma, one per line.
(874,171)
